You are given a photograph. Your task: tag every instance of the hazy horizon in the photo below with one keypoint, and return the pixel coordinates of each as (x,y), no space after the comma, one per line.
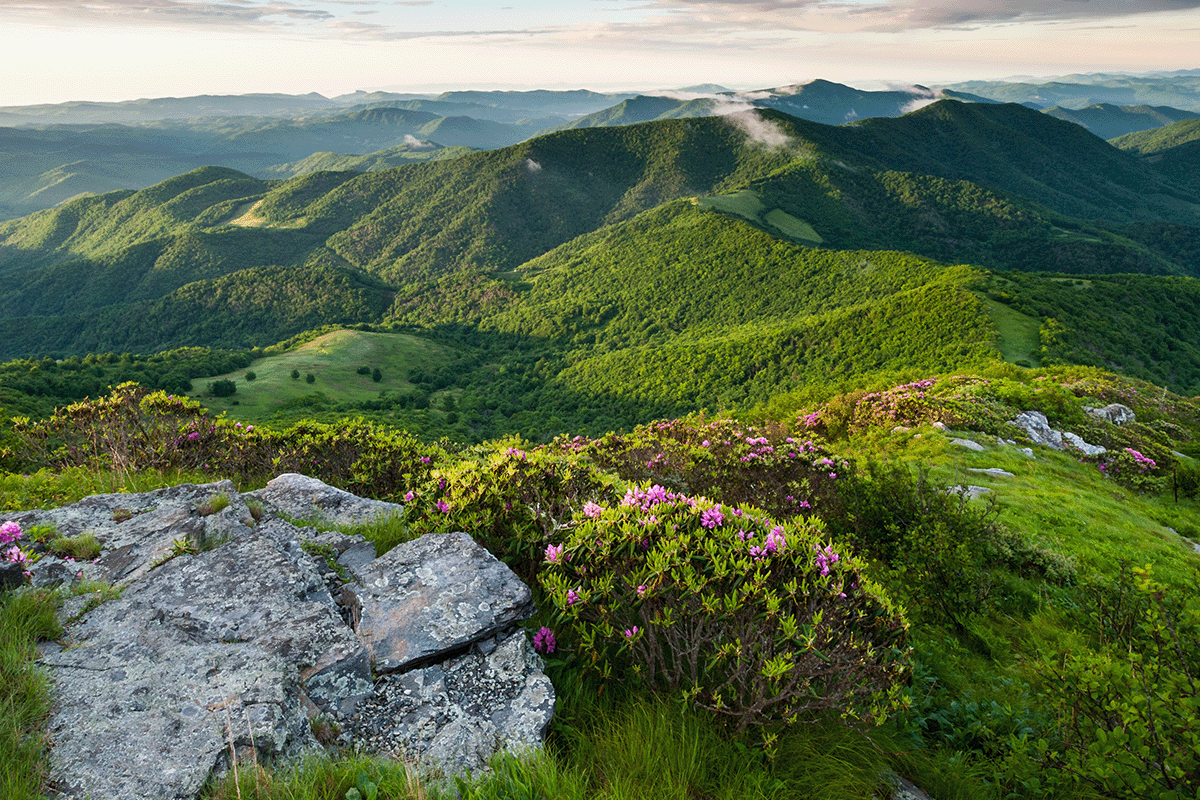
(111,50)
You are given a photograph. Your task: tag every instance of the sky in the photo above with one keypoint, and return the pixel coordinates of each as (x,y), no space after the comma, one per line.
(58,50)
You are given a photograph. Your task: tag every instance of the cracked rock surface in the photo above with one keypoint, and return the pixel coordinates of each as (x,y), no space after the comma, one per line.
(245,639)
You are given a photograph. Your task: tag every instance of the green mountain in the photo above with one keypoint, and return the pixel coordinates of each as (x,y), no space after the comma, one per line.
(1173,150)
(1109,121)
(721,259)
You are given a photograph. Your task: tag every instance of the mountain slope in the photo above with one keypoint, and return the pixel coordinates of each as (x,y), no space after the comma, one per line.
(1109,121)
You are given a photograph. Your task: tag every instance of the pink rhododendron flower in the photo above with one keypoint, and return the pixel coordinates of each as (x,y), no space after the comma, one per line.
(9,532)
(553,553)
(592,510)
(543,641)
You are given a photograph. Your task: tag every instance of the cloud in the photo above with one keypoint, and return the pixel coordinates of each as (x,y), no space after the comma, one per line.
(239,13)
(896,15)
(760,130)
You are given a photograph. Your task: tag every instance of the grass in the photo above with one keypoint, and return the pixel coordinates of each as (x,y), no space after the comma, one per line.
(1019,340)
(47,489)
(748,205)
(25,618)
(334,360)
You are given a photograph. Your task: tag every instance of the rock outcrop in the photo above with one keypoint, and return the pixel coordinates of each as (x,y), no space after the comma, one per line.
(232,633)
(1038,429)
(1115,413)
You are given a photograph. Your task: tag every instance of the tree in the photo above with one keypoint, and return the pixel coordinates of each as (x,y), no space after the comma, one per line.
(222,388)
(310,378)
(376,375)
(295,374)
(250,375)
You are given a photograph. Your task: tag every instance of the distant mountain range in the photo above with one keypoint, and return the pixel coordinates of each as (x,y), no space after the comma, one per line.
(52,153)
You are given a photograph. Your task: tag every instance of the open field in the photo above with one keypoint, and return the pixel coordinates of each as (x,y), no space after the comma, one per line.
(333,361)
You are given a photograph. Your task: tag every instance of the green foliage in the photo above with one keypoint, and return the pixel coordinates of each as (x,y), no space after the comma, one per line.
(1130,710)
(376,375)
(133,430)
(763,623)
(725,460)
(295,374)
(251,375)
(939,550)
(310,378)
(222,388)
(514,501)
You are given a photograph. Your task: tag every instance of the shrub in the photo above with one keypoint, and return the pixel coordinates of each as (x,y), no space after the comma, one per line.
(376,375)
(1130,725)
(310,378)
(725,460)
(295,374)
(757,621)
(514,502)
(936,543)
(363,370)
(222,388)
(251,375)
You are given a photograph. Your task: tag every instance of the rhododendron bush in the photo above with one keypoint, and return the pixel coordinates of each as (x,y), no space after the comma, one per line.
(760,621)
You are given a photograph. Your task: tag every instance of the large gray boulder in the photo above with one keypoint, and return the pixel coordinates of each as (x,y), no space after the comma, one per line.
(147,690)
(239,636)
(431,597)
(1115,413)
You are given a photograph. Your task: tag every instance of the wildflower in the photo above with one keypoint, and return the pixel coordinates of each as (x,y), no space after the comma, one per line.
(712,518)
(631,632)
(553,553)
(9,532)
(16,555)
(193,436)
(776,540)
(572,597)
(424,459)
(408,496)
(443,506)
(543,641)
(592,510)
(641,590)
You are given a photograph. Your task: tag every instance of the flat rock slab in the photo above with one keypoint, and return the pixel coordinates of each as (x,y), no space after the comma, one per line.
(994,472)
(971,492)
(303,498)
(136,531)
(430,597)
(968,444)
(143,690)
(453,717)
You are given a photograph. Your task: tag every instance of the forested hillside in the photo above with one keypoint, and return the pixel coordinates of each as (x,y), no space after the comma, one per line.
(709,262)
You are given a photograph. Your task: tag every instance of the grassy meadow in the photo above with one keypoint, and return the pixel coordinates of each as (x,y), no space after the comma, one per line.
(333,361)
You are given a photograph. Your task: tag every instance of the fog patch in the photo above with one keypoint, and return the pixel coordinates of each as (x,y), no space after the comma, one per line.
(924,98)
(533,166)
(415,143)
(762,131)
